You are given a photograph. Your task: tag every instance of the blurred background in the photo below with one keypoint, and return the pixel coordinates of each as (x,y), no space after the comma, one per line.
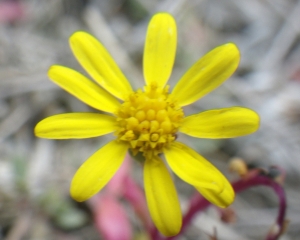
(35,173)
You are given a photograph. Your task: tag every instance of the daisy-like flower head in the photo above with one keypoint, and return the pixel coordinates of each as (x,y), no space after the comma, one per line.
(146,121)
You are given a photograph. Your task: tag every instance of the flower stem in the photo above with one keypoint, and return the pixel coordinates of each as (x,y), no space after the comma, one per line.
(198,204)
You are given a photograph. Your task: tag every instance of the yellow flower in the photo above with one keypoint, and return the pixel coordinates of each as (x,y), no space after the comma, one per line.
(146,121)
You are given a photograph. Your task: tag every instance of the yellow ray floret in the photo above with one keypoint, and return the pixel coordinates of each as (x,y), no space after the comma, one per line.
(161,197)
(95,172)
(75,125)
(221,123)
(160,49)
(95,59)
(207,74)
(84,89)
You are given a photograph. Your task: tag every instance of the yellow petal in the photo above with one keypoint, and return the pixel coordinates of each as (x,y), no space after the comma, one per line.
(207,74)
(221,123)
(95,172)
(222,199)
(160,49)
(96,60)
(75,125)
(193,168)
(162,197)
(83,88)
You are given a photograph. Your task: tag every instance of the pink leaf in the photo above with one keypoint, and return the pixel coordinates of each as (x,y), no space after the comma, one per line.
(135,195)
(111,219)
(11,11)
(116,184)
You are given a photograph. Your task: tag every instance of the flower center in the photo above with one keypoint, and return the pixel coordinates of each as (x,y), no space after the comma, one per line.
(148,120)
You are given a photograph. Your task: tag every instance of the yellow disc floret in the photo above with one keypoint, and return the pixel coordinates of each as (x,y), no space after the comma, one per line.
(148,120)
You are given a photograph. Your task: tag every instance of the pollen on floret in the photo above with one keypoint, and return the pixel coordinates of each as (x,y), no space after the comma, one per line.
(148,120)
